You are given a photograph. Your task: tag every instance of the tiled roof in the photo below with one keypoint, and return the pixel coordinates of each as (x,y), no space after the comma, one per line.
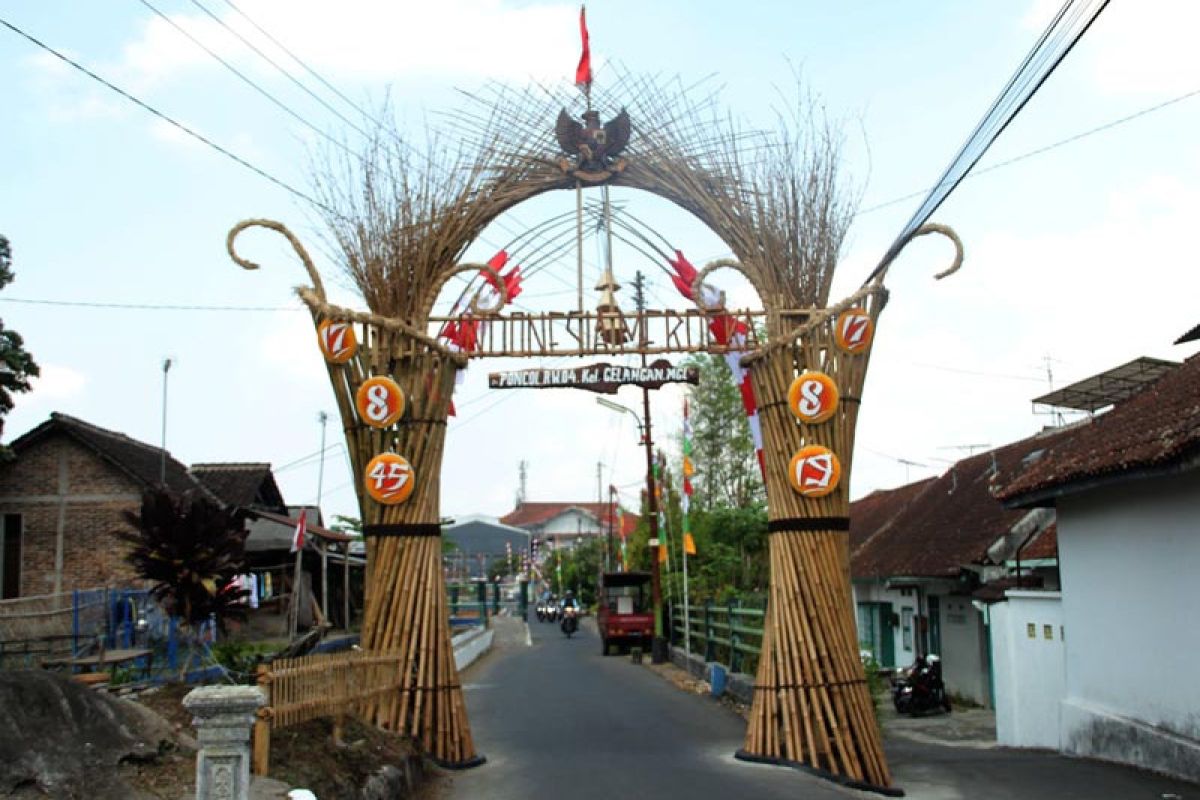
(527,515)
(1157,428)
(874,513)
(241,485)
(1044,546)
(139,461)
(951,521)
(289,523)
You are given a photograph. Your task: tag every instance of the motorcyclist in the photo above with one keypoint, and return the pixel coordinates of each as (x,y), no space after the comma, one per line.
(569,600)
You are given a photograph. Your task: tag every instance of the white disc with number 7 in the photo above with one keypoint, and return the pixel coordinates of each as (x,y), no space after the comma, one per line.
(389,479)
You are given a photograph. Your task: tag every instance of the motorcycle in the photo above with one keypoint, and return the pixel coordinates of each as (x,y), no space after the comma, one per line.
(920,688)
(540,610)
(570,621)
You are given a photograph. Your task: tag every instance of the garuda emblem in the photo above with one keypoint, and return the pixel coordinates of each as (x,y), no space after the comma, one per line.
(594,146)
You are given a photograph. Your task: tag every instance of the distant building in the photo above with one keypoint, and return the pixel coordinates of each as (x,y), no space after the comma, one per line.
(481,543)
(563,525)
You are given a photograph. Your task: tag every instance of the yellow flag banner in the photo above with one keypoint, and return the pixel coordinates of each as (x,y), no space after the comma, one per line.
(689,544)
(662,554)
(689,469)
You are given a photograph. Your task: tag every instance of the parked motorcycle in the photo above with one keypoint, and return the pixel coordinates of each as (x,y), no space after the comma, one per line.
(920,688)
(570,620)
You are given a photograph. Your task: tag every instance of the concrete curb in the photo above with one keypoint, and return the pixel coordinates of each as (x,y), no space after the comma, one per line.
(470,645)
(738,685)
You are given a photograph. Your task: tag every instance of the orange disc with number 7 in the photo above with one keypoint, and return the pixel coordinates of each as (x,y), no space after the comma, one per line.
(854,330)
(337,341)
(389,479)
(380,402)
(813,397)
(814,471)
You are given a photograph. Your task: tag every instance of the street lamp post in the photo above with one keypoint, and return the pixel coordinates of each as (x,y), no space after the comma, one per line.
(658,652)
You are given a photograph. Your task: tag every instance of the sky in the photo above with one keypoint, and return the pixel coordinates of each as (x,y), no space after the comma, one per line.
(1078,257)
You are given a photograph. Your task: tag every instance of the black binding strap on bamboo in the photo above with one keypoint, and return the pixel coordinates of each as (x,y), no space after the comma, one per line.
(817,685)
(403,529)
(808,524)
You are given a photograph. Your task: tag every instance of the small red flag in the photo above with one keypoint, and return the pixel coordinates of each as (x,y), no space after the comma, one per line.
(583,72)
(298,536)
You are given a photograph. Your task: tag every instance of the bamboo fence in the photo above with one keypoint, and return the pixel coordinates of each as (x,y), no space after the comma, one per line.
(300,689)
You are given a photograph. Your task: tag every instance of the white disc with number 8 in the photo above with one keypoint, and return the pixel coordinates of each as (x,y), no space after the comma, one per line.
(389,479)
(380,402)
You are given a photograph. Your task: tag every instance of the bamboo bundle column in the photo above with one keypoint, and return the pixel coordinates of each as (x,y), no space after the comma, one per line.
(406,609)
(812,707)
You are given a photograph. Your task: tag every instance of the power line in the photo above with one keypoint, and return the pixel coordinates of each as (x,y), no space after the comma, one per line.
(298,60)
(1059,38)
(145,106)
(1046,148)
(142,306)
(276,65)
(274,100)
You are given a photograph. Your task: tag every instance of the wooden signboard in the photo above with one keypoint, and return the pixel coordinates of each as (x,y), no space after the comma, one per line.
(601,378)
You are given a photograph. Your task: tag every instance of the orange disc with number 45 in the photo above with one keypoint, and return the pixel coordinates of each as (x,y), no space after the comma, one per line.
(813,397)
(337,341)
(389,479)
(380,402)
(854,330)
(814,471)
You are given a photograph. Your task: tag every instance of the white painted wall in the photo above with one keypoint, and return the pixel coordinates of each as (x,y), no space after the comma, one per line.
(964,649)
(1130,562)
(1029,664)
(569,523)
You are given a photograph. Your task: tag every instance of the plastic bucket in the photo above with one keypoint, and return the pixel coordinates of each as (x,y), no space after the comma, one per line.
(716,678)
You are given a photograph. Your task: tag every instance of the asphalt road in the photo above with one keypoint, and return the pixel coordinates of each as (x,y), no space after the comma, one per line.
(557,720)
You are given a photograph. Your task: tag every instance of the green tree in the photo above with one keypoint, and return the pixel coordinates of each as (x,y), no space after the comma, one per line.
(727,472)
(16,364)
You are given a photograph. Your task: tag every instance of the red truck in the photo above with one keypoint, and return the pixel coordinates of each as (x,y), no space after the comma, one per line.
(625,616)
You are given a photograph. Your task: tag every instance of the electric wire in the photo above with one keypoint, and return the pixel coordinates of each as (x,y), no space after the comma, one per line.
(283,71)
(185,129)
(245,79)
(1057,40)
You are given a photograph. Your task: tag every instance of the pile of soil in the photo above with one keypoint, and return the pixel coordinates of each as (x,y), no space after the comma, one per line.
(301,755)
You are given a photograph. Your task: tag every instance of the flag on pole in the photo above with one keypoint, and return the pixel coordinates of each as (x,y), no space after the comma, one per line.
(689,544)
(298,536)
(583,72)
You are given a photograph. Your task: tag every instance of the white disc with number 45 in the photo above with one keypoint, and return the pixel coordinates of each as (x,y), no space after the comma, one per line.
(389,479)
(380,402)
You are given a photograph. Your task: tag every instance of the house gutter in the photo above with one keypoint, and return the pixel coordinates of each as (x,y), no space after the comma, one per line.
(1046,497)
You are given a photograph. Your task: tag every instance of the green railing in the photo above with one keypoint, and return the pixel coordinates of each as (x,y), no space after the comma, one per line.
(728,634)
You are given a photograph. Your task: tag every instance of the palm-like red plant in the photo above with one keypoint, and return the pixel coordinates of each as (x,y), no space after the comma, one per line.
(190,549)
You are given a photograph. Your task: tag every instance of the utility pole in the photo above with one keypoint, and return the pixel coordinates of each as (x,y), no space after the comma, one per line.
(322,418)
(162,461)
(658,651)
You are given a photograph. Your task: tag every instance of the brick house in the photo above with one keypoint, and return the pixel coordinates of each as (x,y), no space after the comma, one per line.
(61,497)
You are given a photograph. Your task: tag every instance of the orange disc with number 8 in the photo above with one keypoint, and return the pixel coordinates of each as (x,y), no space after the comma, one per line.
(813,397)
(389,479)
(854,330)
(380,402)
(337,341)
(814,471)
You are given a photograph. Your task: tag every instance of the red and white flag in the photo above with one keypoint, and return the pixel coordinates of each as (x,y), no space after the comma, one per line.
(583,72)
(298,536)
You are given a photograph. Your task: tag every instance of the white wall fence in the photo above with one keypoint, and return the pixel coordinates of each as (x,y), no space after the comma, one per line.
(1029,668)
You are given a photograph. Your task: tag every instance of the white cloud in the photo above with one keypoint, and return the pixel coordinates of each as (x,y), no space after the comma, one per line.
(372,39)
(56,383)
(1142,48)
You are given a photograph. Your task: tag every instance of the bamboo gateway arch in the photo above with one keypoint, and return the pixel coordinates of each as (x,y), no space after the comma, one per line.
(401,222)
